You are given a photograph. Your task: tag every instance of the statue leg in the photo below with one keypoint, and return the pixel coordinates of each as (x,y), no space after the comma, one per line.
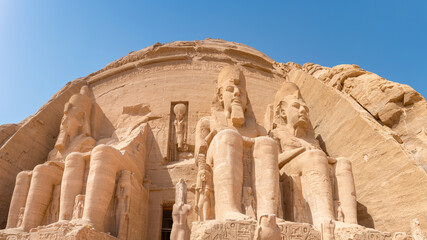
(265,176)
(40,193)
(226,150)
(104,165)
(316,185)
(346,190)
(72,184)
(19,197)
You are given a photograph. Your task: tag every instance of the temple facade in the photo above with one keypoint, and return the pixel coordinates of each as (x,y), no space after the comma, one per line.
(215,140)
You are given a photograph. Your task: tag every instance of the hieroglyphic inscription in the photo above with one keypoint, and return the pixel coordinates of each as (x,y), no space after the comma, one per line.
(244,230)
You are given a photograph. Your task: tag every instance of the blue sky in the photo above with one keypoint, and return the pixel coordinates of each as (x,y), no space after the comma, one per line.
(45,44)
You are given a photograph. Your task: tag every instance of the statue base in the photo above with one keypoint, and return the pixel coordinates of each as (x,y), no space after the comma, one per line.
(57,231)
(345,231)
(245,230)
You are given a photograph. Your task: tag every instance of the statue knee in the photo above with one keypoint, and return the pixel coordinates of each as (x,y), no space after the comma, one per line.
(228,136)
(266,143)
(313,159)
(45,172)
(74,160)
(23,176)
(41,170)
(103,155)
(343,165)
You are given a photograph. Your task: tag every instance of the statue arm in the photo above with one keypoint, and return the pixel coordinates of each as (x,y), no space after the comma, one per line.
(288,155)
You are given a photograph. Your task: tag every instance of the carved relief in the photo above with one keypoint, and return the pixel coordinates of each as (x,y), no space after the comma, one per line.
(340,213)
(123,194)
(400,236)
(54,204)
(20,216)
(417,233)
(248,202)
(328,229)
(246,229)
(204,198)
(78,206)
(178,130)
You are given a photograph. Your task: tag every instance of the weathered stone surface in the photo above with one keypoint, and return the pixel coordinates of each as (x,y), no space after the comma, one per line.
(6,131)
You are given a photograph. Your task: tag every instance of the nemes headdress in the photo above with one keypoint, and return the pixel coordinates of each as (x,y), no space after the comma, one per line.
(287,91)
(231,74)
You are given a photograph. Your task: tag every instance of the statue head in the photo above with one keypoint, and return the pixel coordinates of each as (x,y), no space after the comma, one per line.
(232,95)
(290,108)
(180,109)
(76,118)
(204,174)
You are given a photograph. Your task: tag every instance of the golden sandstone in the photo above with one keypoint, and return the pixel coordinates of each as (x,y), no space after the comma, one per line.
(214,140)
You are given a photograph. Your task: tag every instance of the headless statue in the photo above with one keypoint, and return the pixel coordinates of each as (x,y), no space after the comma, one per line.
(180,212)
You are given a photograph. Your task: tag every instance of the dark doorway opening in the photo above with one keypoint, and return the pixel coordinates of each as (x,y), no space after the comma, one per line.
(167,223)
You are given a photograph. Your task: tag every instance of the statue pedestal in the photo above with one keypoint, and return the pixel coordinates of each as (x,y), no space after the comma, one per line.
(58,231)
(245,230)
(345,231)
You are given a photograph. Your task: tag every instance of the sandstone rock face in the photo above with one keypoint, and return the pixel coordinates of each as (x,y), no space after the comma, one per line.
(152,109)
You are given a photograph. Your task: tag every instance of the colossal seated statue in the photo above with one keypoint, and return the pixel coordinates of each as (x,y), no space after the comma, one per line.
(78,180)
(237,150)
(123,154)
(35,190)
(302,158)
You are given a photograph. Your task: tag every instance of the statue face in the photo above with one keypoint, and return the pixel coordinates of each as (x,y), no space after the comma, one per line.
(233,95)
(180,110)
(72,122)
(179,115)
(296,113)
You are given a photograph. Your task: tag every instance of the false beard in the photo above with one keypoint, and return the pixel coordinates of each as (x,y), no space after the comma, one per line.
(237,115)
